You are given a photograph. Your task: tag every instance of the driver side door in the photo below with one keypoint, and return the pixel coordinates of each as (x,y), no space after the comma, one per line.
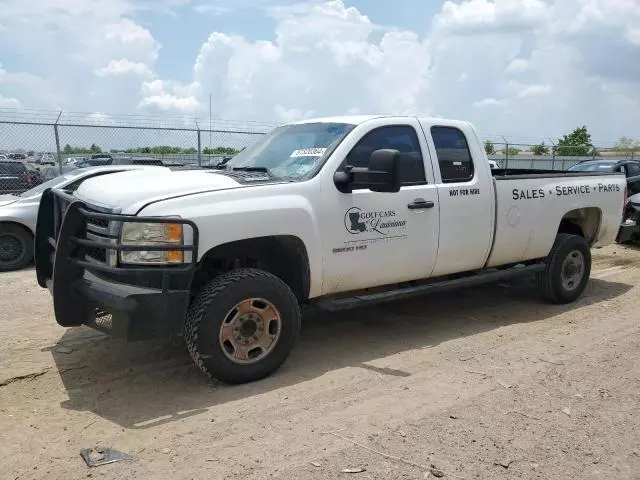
(378,238)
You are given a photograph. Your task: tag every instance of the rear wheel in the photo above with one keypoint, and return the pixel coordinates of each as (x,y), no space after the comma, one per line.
(567,269)
(16,247)
(242,326)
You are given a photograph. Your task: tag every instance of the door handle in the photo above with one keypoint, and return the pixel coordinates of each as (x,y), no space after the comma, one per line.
(420,203)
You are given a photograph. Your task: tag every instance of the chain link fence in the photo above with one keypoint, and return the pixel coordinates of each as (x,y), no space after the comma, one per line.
(541,157)
(36,146)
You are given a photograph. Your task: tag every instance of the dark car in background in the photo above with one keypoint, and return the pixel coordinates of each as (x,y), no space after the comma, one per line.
(631,169)
(17,177)
(630,228)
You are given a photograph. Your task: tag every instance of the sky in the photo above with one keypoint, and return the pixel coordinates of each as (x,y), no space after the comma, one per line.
(525,69)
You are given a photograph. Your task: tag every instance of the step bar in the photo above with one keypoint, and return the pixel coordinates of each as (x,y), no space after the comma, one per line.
(344,303)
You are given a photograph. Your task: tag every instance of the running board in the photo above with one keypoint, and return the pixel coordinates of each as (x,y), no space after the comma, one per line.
(344,303)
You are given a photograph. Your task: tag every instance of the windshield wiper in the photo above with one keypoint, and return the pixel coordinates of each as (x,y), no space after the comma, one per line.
(222,164)
(251,169)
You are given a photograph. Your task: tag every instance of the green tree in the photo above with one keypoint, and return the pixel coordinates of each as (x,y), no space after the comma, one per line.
(576,144)
(627,146)
(190,150)
(67,149)
(511,151)
(220,151)
(489,147)
(541,149)
(94,148)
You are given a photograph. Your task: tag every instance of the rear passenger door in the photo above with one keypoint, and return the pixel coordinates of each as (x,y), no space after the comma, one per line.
(382,238)
(465,187)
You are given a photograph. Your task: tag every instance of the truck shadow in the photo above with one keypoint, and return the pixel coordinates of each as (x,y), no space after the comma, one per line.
(144,384)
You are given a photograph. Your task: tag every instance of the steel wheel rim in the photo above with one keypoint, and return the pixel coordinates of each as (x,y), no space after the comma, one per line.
(11,248)
(573,270)
(250,331)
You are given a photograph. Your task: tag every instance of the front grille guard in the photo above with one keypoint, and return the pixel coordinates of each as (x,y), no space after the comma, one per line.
(61,242)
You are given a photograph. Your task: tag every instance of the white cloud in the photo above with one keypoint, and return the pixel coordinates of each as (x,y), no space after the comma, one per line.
(474,16)
(488,102)
(633,35)
(99,118)
(81,51)
(322,60)
(165,95)
(534,90)
(124,67)
(6,102)
(126,35)
(167,101)
(527,67)
(215,10)
(517,65)
(290,114)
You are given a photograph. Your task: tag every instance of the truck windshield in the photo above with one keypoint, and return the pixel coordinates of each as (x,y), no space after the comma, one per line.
(292,151)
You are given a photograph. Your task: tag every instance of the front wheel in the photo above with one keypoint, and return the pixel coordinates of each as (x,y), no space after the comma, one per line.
(242,326)
(567,269)
(16,247)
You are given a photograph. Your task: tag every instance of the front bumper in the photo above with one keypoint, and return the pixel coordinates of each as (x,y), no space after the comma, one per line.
(76,249)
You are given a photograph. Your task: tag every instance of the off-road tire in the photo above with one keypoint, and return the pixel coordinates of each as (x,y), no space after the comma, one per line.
(26,240)
(211,305)
(549,280)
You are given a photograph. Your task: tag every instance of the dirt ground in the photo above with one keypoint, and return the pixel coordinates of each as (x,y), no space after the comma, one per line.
(480,383)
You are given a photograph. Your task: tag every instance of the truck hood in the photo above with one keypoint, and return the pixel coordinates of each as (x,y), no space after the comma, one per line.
(127,190)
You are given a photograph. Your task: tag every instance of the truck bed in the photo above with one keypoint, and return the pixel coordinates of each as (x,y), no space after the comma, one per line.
(530,205)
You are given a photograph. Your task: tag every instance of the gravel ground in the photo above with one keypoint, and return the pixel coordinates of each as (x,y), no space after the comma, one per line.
(482,383)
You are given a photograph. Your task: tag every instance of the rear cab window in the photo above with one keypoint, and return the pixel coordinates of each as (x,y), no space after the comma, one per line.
(454,156)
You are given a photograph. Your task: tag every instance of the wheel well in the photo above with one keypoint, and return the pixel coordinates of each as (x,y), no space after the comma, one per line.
(284,256)
(582,221)
(16,224)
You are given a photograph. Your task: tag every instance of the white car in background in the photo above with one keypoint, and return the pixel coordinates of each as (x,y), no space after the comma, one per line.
(18,213)
(74,161)
(46,159)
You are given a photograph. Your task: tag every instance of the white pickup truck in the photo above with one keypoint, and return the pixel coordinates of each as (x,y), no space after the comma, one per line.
(336,211)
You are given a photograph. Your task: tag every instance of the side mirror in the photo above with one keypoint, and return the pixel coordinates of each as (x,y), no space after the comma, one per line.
(384,171)
(382,175)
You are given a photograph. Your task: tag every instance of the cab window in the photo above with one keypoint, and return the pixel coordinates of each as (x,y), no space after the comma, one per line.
(398,137)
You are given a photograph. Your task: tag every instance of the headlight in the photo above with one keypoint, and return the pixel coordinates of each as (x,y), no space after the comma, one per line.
(151,234)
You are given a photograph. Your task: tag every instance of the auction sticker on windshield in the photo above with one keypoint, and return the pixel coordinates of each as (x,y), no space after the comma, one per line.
(308,152)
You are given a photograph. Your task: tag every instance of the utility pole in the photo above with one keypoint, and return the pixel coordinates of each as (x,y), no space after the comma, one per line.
(209,124)
(553,151)
(57,137)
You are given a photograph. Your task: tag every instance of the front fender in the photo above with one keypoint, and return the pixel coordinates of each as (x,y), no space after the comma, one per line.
(225,220)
